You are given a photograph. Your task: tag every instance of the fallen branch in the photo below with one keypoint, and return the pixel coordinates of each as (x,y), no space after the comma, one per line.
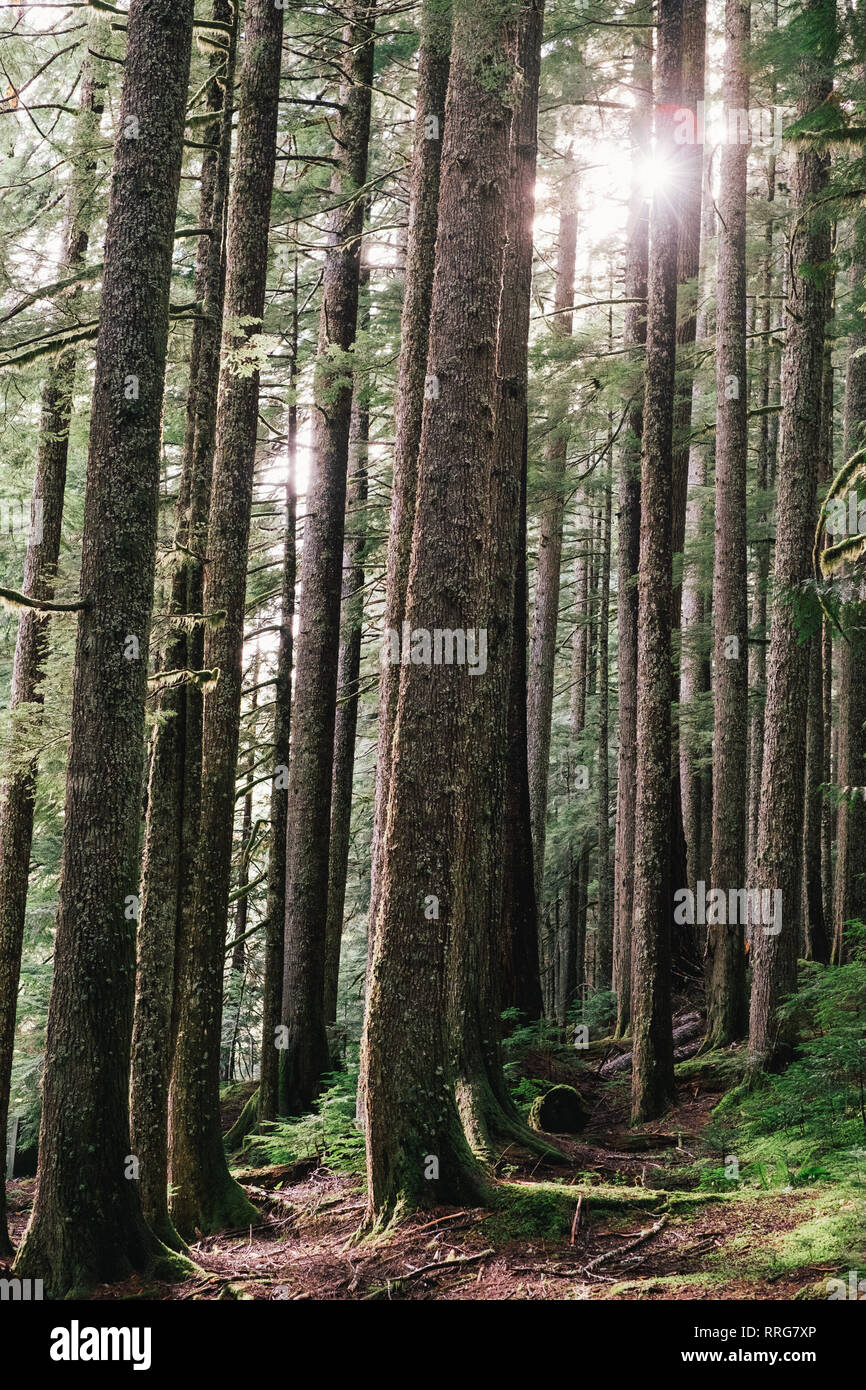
(625,1249)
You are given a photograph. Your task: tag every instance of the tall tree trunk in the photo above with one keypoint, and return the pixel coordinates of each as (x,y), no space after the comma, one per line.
(545,618)
(815,942)
(725,941)
(167,857)
(272,993)
(432,86)
(689,180)
(305,1059)
(205,1196)
(417,1152)
(628,539)
(604,956)
(780,825)
(87,1223)
(490,1117)
(521,977)
(348,675)
(17,796)
(766,463)
(653,1071)
(849,902)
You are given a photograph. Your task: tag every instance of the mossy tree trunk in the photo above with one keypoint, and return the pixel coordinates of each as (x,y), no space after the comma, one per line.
(87,1223)
(17,799)
(653,1072)
(426,936)
(725,965)
(780,825)
(628,533)
(166,857)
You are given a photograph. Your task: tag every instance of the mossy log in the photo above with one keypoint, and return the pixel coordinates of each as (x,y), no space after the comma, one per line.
(561,1110)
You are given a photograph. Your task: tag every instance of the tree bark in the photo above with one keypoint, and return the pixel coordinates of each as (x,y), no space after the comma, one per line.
(17,798)
(780,825)
(628,537)
(653,1074)
(432,86)
(205,1196)
(272,994)
(348,676)
(545,617)
(849,902)
(87,1224)
(306,1056)
(725,966)
(431,898)
(166,857)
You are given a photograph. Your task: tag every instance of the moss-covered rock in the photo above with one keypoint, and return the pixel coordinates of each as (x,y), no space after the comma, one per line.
(561,1110)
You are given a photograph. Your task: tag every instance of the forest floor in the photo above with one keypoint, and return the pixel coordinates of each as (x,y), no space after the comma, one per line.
(614,1223)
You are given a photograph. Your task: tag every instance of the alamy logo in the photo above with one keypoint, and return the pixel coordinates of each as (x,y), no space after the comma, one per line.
(739,906)
(77,1343)
(443,646)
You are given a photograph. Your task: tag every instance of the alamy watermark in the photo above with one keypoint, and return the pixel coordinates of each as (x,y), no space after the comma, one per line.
(738,906)
(439,646)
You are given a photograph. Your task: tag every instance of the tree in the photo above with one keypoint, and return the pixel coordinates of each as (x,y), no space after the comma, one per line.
(434,57)
(348,676)
(725,949)
(306,1056)
(205,1195)
(653,1073)
(87,1223)
(780,825)
(417,1152)
(173,789)
(40,568)
(628,534)
(849,903)
(545,617)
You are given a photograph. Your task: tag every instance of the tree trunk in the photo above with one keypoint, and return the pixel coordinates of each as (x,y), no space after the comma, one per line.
(17,797)
(272,993)
(348,676)
(766,464)
(432,86)
(653,1074)
(628,518)
(545,618)
(306,1057)
(604,955)
(433,852)
(780,825)
(725,941)
(87,1223)
(490,1117)
(205,1196)
(166,855)
(849,903)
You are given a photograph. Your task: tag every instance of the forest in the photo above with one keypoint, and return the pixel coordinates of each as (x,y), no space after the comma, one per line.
(433,652)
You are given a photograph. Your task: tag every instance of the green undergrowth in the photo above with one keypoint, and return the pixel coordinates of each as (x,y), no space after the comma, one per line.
(328,1134)
(806,1126)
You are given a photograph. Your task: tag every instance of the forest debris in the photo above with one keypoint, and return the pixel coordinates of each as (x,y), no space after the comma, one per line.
(687,1031)
(580,1222)
(625,1249)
